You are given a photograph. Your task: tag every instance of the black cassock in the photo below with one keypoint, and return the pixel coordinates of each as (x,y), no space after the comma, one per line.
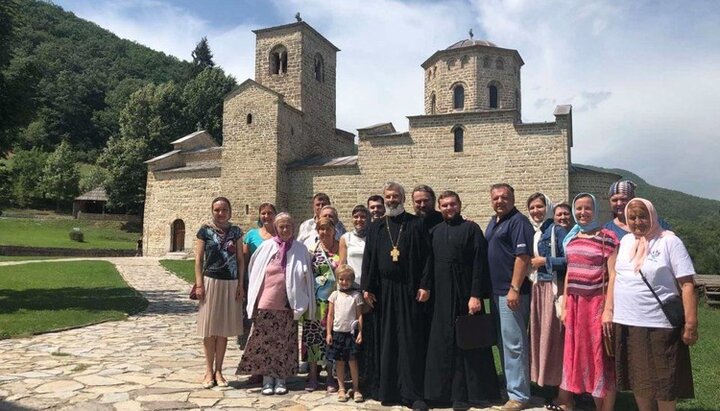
(396,343)
(459,262)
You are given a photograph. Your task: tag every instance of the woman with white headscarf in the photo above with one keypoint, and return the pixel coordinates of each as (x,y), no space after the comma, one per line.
(548,275)
(590,251)
(652,356)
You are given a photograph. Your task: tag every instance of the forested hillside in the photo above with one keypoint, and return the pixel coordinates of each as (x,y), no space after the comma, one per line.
(72,88)
(696,220)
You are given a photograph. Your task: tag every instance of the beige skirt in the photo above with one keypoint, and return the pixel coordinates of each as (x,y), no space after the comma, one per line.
(220,314)
(546,337)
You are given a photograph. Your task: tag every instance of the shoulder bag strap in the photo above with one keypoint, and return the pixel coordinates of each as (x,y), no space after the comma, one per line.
(651,289)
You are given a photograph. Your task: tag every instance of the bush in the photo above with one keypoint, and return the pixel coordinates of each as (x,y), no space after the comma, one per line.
(77,235)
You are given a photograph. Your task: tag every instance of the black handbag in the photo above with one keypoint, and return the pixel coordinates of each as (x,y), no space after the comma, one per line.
(673,307)
(475,331)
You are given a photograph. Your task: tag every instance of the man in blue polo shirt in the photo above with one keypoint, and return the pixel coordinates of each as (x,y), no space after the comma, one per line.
(510,238)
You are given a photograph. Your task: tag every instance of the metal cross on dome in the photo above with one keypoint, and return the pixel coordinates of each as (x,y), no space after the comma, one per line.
(471,34)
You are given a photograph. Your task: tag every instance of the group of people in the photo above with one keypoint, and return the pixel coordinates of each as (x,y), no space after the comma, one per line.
(579,306)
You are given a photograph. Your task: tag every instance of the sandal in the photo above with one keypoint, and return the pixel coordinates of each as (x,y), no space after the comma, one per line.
(221,382)
(553,406)
(208,383)
(358,397)
(342,397)
(280,388)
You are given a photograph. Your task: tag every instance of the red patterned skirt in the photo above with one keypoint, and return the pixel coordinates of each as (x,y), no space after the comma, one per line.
(586,367)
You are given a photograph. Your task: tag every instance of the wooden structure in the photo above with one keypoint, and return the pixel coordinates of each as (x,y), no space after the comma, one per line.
(93,201)
(710,286)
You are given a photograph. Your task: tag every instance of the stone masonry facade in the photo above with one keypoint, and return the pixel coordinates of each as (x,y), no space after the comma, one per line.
(281,144)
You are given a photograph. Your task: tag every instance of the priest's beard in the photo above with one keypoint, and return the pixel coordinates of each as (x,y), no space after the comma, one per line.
(394,211)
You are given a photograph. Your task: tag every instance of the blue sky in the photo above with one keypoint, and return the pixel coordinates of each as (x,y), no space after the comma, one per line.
(643,76)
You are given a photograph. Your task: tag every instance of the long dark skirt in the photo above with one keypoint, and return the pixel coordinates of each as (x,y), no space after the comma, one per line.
(653,363)
(272,347)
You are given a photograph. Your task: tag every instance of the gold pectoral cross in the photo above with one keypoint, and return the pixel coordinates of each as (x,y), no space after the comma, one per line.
(395,254)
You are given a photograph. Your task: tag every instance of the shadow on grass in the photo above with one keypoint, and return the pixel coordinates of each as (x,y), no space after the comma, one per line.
(88,299)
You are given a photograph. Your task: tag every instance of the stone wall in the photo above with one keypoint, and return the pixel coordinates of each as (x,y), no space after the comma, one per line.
(250,151)
(495,150)
(170,196)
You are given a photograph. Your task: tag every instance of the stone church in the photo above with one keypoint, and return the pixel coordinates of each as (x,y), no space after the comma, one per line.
(281,143)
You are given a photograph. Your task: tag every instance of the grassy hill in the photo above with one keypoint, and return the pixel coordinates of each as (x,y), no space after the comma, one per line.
(694,219)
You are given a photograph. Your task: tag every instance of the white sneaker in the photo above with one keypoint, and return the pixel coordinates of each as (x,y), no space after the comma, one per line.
(280,388)
(268,386)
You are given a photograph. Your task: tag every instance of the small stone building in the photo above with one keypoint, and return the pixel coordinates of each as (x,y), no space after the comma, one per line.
(281,144)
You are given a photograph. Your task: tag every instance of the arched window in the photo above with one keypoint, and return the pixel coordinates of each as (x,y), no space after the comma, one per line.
(249,118)
(278,60)
(458,137)
(451,63)
(463,61)
(493,96)
(319,68)
(432,103)
(459,97)
(486,62)
(500,64)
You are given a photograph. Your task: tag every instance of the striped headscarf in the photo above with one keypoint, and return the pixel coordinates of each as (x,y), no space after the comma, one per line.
(626,187)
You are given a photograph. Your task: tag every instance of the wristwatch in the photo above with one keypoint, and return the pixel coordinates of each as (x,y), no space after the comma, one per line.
(514,288)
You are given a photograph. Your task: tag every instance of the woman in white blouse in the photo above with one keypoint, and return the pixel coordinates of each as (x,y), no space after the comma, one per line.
(352,243)
(652,356)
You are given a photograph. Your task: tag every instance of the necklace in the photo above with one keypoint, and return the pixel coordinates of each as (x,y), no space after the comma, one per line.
(394,253)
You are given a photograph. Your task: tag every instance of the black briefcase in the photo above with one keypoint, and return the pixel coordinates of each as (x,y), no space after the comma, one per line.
(475,331)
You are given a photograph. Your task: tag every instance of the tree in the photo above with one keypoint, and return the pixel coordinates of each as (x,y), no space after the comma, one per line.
(123,159)
(202,56)
(61,175)
(93,178)
(154,114)
(26,172)
(203,99)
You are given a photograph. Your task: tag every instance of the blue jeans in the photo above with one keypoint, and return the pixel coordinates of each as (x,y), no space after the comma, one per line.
(514,345)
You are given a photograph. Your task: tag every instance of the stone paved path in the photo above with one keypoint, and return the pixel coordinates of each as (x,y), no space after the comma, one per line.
(151,361)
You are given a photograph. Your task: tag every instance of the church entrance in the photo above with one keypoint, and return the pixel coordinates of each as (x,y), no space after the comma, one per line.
(178,235)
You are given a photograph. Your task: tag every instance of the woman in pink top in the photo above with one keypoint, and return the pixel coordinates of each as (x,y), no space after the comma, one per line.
(590,251)
(279,293)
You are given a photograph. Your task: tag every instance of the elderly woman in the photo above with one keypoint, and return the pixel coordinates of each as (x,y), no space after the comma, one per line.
(251,241)
(280,293)
(352,243)
(588,305)
(652,356)
(219,271)
(325,259)
(562,214)
(548,264)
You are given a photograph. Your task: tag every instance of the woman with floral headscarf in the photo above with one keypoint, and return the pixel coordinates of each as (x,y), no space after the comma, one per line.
(219,272)
(280,292)
(548,276)
(652,356)
(590,252)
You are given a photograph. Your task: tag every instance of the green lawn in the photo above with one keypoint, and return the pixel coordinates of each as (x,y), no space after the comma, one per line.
(34,232)
(184,269)
(40,297)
